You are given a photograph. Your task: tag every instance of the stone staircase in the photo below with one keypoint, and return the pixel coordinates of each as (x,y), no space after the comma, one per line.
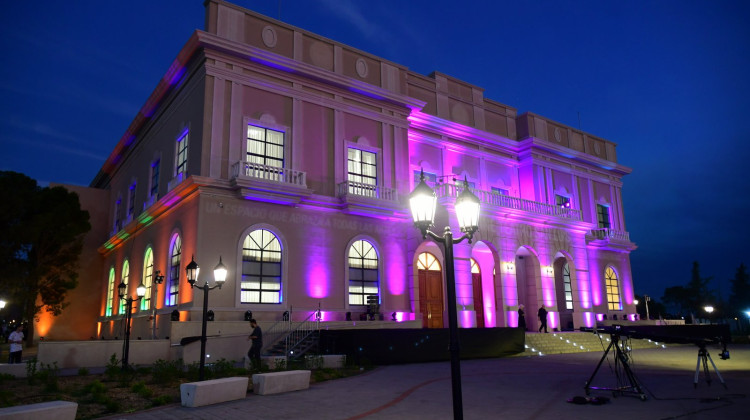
(540,344)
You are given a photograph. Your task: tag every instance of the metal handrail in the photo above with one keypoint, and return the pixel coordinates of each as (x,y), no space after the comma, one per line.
(607,233)
(367,190)
(303,330)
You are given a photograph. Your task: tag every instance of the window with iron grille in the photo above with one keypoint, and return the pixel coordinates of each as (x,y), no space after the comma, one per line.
(613,290)
(602,214)
(362,170)
(567,286)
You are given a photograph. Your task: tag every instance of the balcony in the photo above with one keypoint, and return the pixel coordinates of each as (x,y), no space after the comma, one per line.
(515,203)
(269,183)
(367,199)
(607,234)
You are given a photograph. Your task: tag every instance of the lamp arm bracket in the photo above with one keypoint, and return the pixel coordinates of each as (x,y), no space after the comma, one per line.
(468,236)
(435,237)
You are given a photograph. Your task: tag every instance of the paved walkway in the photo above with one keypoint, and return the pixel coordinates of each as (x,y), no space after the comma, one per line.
(508,388)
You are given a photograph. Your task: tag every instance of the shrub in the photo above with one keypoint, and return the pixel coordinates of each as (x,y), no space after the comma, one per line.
(141,389)
(165,372)
(112,370)
(83,371)
(161,400)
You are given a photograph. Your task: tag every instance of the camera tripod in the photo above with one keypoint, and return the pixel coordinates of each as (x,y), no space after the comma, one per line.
(620,359)
(705,357)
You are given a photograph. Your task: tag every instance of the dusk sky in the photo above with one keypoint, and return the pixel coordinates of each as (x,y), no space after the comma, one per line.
(668,81)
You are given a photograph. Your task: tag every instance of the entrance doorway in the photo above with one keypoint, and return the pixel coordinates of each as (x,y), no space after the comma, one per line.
(476,282)
(564,295)
(430,290)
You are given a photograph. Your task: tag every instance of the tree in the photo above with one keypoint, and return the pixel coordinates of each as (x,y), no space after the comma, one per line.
(677,297)
(691,298)
(41,238)
(739,299)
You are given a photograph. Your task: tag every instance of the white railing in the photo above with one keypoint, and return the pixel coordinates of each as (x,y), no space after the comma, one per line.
(269,173)
(367,190)
(605,233)
(500,200)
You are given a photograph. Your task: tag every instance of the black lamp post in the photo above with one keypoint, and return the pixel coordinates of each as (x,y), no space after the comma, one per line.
(423,202)
(140,291)
(220,275)
(158,279)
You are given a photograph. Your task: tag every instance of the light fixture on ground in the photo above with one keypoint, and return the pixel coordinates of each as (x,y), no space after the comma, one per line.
(220,275)
(423,203)
(140,291)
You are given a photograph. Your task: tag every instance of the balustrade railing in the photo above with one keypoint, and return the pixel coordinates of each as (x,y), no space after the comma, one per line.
(367,190)
(606,233)
(269,173)
(501,200)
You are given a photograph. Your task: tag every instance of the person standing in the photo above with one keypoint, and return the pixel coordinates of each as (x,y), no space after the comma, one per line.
(521,318)
(257,339)
(16,342)
(542,318)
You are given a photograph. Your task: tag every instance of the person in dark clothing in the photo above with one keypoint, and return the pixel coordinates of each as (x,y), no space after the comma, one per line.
(521,318)
(542,318)
(257,338)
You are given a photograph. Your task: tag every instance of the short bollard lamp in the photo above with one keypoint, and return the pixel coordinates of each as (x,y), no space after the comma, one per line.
(220,275)
(140,292)
(423,203)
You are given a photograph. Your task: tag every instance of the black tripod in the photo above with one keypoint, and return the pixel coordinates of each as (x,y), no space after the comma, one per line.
(705,357)
(620,358)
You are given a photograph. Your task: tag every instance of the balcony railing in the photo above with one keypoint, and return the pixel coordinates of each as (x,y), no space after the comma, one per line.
(176,181)
(269,173)
(606,233)
(367,190)
(500,200)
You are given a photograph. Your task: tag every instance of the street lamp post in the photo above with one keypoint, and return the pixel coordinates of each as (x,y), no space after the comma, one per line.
(647,298)
(423,203)
(140,291)
(158,279)
(220,275)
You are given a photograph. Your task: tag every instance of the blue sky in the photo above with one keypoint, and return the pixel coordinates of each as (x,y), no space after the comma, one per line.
(668,81)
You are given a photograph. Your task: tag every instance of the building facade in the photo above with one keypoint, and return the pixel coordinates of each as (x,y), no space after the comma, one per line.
(289,157)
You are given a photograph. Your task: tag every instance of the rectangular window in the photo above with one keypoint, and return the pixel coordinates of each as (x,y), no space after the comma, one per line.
(182,155)
(501,191)
(362,172)
(118,215)
(265,146)
(131,200)
(562,201)
(154,191)
(602,214)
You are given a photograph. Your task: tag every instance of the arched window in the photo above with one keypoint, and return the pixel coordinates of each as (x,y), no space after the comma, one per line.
(363,273)
(110,292)
(427,261)
(613,290)
(261,268)
(474,267)
(173,285)
(148,277)
(125,279)
(567,286)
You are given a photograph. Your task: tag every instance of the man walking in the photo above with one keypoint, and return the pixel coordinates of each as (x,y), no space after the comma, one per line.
(542,318)
(257,338)
(16,341)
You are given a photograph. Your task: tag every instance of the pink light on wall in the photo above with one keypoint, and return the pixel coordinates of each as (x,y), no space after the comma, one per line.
(627,287)
(467,319)
(512,317)
(631,317)
(548,286)
(600,317)
(583,289)
(396,280)
(405,316)
(588,319)
(324,316)
(596,285)
(317,280)
(554,319)
(489,316)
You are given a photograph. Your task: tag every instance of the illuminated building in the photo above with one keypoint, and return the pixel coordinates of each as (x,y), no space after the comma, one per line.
(289,156)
